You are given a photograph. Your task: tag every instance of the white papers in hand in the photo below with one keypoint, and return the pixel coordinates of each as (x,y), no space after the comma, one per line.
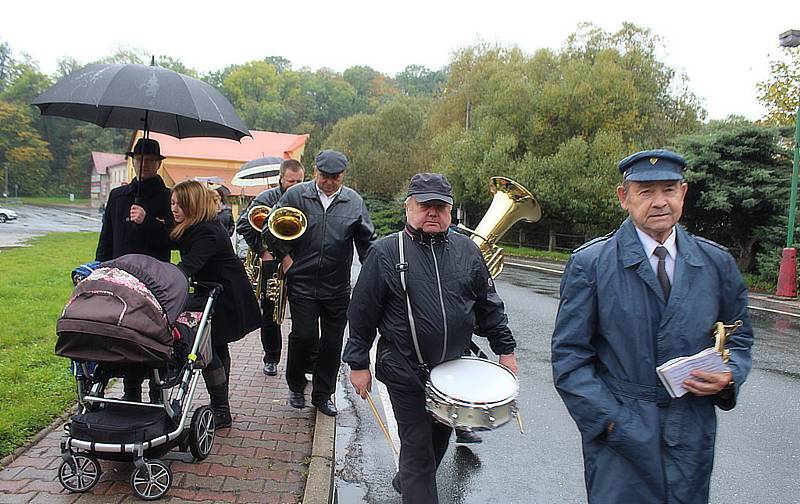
(673,372)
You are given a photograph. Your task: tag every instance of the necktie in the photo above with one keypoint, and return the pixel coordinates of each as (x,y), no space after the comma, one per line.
(661,270)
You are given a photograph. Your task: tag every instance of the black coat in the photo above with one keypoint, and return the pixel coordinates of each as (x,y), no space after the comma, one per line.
(207,255)
(323,256)
(119,236)
(468,301)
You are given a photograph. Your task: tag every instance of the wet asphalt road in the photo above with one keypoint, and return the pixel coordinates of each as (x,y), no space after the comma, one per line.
(758,444)
(38,220)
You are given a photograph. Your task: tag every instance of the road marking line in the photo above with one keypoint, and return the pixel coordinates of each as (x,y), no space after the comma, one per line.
(539,268)
(82,216)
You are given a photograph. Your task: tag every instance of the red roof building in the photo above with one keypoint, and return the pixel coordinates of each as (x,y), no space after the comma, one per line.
(220,158)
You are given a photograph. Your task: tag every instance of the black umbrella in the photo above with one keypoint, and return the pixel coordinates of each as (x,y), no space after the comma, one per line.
(146,97)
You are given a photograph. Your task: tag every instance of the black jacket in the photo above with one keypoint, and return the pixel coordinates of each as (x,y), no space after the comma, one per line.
(323,256)
(468,301)
(243,227)
(119,236)
(207,254)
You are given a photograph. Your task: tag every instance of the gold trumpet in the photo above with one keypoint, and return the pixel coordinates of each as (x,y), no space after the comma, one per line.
(285,223)
(511,203)
(252,263)
(720,333)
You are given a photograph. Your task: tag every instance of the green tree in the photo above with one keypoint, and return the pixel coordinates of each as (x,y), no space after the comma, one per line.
(384,148)
(417,80)
(23,150)
(559,120)
(780,93)
(738,185)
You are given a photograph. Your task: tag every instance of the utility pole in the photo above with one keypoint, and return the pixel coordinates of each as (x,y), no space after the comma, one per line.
(5,194)
(787,277)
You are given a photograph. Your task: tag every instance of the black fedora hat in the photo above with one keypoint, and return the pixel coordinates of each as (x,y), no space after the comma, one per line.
(146,147)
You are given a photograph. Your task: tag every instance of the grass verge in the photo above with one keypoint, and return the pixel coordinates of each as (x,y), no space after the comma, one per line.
(35,384)
(54,200)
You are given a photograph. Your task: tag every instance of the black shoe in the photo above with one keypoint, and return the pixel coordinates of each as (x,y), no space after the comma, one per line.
(326,406)
(222,420)
(467,437)
(297,400)
(270,369)
(396,483)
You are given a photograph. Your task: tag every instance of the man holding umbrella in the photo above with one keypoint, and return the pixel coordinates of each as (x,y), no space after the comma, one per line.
(137,220)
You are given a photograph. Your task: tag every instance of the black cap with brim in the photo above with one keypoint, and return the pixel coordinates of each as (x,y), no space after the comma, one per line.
(653,166)
(146,147)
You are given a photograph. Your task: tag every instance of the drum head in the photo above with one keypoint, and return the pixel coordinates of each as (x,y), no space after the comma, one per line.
(474,380)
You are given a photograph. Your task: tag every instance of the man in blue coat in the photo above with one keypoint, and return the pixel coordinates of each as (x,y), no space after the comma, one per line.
(631,301)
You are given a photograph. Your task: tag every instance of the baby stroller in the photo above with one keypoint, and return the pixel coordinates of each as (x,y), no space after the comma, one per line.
(124,318)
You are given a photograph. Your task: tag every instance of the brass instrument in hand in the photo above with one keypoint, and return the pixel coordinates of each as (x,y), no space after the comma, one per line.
(511,203)
(720,333)
(252,263)
(285,223)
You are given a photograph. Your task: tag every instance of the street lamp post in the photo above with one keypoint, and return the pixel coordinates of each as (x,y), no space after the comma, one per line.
(787,277)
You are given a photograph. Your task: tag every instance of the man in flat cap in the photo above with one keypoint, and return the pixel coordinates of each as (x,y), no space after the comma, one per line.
(317,267)
(444,280)
(630,301)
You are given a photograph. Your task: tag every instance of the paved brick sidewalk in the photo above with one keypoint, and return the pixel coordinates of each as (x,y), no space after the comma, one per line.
(263,458)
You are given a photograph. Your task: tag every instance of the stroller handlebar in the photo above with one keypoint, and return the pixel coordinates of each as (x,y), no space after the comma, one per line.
(214,288)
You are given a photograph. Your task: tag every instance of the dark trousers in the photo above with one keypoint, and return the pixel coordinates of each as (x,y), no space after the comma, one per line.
(270,331)
(423,443)
(316,323)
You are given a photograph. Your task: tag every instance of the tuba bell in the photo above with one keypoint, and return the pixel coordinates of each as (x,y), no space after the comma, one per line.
(285,223)
(511,203)
(252,262)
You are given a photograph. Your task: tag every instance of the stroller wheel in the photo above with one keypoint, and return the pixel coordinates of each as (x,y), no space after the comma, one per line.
(154,485)
(81,475)
(201,433)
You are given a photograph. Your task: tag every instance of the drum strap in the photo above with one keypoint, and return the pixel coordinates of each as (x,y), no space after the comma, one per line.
(402,267)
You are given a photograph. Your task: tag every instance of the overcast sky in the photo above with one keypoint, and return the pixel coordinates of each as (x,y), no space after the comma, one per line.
(724,47)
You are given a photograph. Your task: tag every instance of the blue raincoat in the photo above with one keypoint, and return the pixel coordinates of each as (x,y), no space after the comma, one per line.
(613,328)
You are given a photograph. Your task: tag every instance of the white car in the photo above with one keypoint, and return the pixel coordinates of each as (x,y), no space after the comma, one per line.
(7,215)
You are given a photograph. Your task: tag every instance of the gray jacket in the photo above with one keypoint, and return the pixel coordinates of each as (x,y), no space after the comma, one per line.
(323,256)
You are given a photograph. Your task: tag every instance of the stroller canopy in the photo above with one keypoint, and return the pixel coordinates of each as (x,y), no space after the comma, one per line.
(166,281)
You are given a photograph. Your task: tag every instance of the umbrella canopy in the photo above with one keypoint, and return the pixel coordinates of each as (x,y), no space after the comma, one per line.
(259,172)
(145,97)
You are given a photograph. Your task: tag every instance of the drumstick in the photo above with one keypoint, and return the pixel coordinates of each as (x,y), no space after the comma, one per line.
(380,422)
(519,422)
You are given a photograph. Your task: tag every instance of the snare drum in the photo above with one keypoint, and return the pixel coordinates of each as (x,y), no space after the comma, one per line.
(472,394)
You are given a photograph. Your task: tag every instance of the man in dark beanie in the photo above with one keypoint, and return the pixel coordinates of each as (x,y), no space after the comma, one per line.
(317,267)
(137,220)
(444,280)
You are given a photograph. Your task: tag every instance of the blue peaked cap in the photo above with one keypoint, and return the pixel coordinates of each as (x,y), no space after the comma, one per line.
(652,165)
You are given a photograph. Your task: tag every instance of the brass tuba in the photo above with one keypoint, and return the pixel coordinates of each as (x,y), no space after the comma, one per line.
(285,223)
(252,263)
(511,203)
